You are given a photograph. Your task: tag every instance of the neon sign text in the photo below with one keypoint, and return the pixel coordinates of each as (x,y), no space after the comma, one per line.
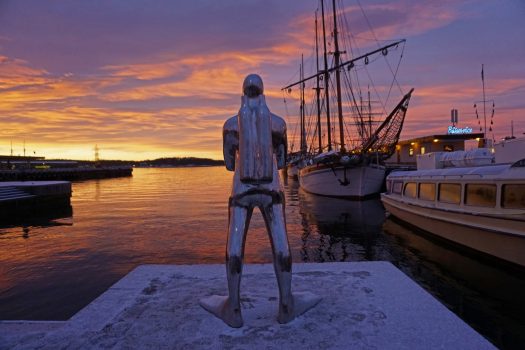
(455,130)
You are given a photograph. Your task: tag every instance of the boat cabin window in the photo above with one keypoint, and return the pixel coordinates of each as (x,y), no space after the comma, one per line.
(397,187)
(410,190)
(513,196)
(449,193)
(480,195)
(427,191)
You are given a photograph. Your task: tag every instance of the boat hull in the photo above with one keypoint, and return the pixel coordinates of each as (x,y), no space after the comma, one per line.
(362,181)
(292,171)
(503,238)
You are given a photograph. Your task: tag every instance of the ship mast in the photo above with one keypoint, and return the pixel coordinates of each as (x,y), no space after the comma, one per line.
(485,139)
(484,100)
(318,88)
(303,136)
(369,114)
(337,55)
(324,74)
(326,78)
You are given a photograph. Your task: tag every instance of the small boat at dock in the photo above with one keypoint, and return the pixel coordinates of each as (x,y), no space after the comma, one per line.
(479,207)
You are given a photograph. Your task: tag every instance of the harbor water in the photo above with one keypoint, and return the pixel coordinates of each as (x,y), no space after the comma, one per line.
(51,267)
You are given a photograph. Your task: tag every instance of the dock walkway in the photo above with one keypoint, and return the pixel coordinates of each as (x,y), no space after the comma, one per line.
(10,193)
(366,305)
(69,174)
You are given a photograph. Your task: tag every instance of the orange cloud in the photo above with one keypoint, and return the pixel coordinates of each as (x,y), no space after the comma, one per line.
(16,73)
(213,76)
(22,85)
(214,83)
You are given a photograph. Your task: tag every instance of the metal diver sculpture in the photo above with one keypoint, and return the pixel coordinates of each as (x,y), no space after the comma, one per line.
(254,146)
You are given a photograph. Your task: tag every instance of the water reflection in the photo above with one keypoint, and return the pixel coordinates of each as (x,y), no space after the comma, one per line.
(486,295)
(337,229)
(45,218)
(335,216)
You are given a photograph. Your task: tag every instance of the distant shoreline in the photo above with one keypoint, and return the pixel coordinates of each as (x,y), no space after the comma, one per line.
(177,166)
(173,162)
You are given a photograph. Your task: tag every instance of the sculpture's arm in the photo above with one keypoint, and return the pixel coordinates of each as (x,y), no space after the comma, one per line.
(280,141)
(230,142)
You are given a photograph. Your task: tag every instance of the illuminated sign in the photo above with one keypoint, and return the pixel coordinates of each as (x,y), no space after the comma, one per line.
(455,130)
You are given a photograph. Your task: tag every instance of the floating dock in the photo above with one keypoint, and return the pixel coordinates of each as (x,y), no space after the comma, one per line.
(22,199)
(69,174)
(366,305)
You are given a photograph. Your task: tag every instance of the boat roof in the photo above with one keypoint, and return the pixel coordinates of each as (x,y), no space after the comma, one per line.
(498,171)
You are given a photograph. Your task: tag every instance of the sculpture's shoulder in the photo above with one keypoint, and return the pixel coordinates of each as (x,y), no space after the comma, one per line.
(278,124)
(231,124)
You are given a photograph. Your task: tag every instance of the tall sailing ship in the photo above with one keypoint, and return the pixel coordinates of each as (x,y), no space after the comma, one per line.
(296,160)
(351,166)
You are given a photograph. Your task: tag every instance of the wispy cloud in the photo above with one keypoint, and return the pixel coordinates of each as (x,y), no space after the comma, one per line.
(17,73)
(212,76)
(406,18)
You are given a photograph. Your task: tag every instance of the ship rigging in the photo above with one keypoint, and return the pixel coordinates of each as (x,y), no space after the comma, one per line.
(366,138)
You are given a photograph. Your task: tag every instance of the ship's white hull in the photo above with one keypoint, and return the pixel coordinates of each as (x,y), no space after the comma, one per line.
(292,171)
(337,181)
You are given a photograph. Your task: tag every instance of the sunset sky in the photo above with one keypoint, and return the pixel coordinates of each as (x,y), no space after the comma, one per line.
(148,79)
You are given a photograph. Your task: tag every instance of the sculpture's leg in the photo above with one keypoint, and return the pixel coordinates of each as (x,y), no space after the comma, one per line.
(238,228)
(229,308)
(290,305)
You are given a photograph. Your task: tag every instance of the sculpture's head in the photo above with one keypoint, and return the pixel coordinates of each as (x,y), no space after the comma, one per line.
(252,86)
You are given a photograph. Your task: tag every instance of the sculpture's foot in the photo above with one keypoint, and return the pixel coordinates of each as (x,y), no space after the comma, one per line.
(220,306)
(301,302)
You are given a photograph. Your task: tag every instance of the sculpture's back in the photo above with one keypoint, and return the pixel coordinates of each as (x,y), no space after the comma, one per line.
(255,141)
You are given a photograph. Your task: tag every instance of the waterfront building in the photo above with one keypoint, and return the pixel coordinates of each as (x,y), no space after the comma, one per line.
(8,162)
(407,150)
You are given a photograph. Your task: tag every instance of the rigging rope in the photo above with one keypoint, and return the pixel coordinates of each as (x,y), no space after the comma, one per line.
(378,45)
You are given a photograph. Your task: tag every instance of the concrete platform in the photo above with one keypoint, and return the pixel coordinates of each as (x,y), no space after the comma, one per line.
(366,305)
(20,200)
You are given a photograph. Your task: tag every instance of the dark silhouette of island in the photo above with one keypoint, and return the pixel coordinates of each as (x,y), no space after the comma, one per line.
(180,162)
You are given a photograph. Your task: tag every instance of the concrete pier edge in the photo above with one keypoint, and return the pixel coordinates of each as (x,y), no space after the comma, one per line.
(365,305)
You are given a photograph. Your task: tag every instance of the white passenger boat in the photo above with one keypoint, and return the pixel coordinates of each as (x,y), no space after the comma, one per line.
(480,207)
